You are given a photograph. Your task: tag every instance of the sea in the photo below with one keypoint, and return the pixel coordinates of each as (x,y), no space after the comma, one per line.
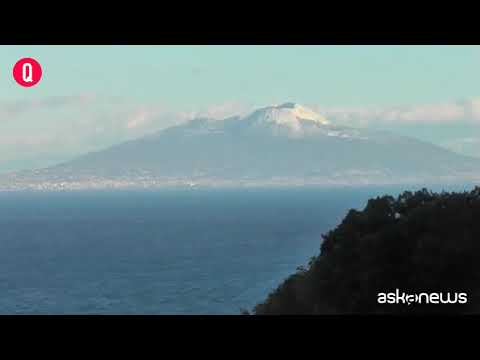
(185,251)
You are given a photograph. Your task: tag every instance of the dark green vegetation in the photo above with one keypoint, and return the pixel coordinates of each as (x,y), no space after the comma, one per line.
(420,242)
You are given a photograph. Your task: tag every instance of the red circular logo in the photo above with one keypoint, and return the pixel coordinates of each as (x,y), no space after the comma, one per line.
(27,72)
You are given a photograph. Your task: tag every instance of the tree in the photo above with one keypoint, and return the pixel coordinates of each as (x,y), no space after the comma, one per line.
(418,242)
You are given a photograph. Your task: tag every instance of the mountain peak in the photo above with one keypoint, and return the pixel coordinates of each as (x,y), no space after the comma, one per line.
(288,114)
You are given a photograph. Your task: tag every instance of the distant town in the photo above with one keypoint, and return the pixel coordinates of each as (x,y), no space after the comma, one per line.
(38,180)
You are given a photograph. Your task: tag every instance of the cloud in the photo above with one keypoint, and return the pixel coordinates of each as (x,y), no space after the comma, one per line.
(13,108)
(467,145)
(217,111)
(445,112)
(140,117)
(144,114)
(25,141)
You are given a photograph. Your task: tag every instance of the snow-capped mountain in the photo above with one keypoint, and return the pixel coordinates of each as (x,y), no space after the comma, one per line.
(288,120)
(288,116)
(291,116)
(286,144)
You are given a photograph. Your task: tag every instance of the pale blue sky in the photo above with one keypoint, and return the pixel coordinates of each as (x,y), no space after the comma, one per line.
(201,75)
(93,96)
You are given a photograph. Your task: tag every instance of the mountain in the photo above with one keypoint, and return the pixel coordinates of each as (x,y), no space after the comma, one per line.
(277,145)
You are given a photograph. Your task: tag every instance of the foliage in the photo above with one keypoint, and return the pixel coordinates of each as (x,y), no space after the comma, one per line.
(419,242)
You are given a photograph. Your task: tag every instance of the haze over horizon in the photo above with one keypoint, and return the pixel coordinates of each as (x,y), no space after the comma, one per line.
(92,97)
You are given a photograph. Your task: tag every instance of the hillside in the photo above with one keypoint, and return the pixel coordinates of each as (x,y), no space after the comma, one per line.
(420,242)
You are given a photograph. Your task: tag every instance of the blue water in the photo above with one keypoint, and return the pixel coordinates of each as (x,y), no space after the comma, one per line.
(163,252)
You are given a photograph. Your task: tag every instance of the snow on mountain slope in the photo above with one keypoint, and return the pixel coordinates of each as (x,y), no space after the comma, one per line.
(289,120)
(288,114)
